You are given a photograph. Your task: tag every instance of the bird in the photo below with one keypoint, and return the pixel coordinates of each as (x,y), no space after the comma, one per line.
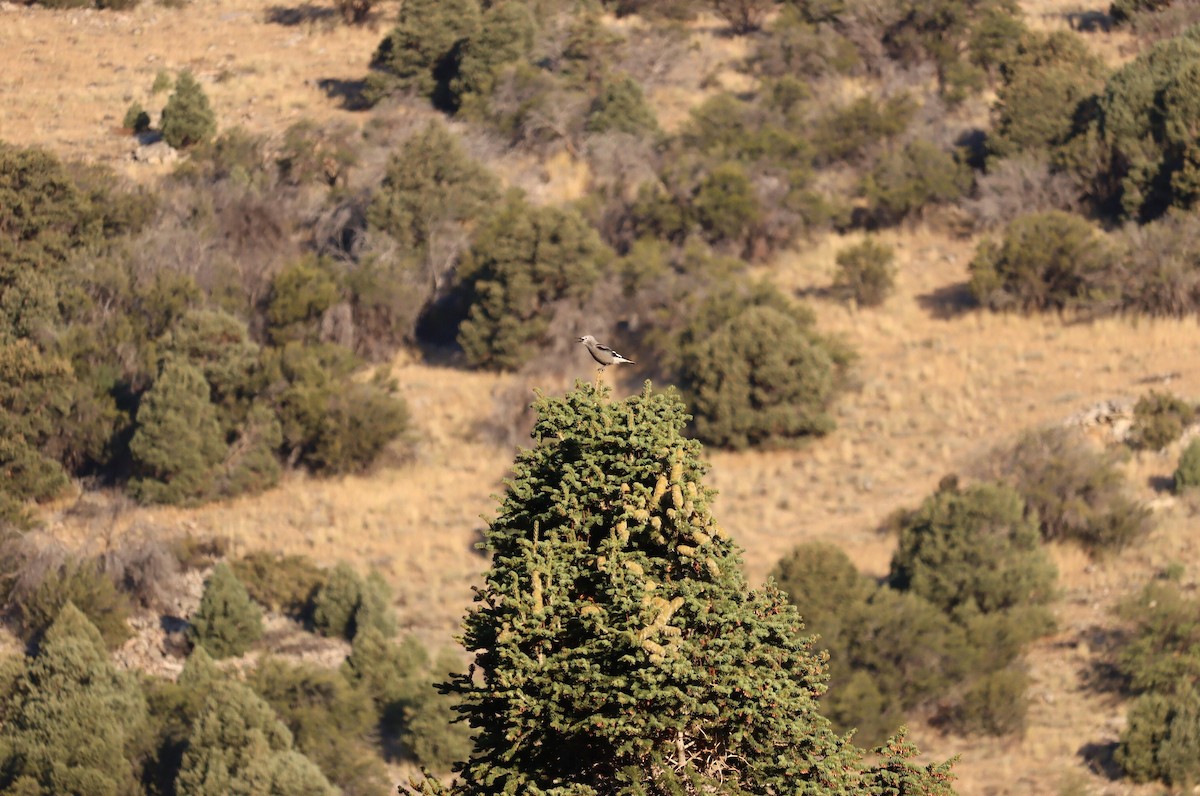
(603,354)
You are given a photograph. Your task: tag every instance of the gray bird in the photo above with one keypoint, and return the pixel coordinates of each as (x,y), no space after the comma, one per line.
(603,354)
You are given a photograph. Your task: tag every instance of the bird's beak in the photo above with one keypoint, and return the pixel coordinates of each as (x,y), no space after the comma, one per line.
(581,339)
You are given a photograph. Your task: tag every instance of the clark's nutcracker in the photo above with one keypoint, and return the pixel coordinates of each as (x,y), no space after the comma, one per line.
(603,354)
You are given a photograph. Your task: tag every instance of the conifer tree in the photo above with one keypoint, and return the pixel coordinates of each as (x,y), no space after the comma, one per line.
(187,119)
(179,442)
(239,747)
(617,649)
(74,724)
(227,621)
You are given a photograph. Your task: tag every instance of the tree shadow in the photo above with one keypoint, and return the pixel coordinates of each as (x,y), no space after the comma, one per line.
(303,14)
(949,302)
(1100,759)
(350,92)
(1161,483)
(1089,21)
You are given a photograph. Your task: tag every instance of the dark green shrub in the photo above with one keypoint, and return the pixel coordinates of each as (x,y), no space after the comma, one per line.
(621,107)
(754,372)
(851,131)
(994,704)
(973,551)
(1124,10)
(430,183)
(178,443)
(801,47)
(523,262)
(1143,119)
(725,205)
(252,465)
(395,674)
(431,733)
(821,581)
(136,118)
(907,180)
(226,623)
(219,344)
(1046,79)
(865,273)
(331,722)
(238,745)
(187,118)
(1051,260)
(1163,649)
(421,54)
(332,422)
(1160,741)
(1159,419)
(79,583)
(1187,474)
(73,724)
(337,602)
(283,583)
(300,295)
(316,154)
(505,37)
(1076,490)
(562,622)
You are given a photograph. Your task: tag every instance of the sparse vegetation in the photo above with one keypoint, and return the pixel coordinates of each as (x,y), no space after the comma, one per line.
(1159,419)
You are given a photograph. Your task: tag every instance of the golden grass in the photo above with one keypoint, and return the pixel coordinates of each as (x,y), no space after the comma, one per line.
(70,75)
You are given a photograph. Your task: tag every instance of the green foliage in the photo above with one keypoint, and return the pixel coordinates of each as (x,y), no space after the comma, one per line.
(607,508)
(1160,740)
(802,47)
(83,586)
(1187,473)
(226,623)
(621,107)
(754,372)
(432,734)
(330,721)
(505,36)
(1051,260)
(136,118)
(332,422)
(337,602)
(219,344)
(300,295)
(994,704)
(187,118)
(1045,80)
(524,260)
(1163,650)
(1076,490)
(238,746)
(1124,10)
(284,583)
(725,205)
(178,443)
(854,129)
(431,184)
(974,551)
(1144,119)
(865,273)
(73,724)
(394,674)
(252,465)
(421,54)
(907,180)
(347,604)
(1159,419)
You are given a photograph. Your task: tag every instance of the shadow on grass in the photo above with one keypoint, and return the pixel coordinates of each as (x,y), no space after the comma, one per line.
(949,302)
(303,14)
(350,92)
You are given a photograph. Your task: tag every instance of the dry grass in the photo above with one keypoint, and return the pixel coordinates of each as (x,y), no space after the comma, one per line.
(70,75)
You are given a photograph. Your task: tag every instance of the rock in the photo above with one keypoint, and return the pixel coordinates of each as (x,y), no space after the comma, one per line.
(156,153)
